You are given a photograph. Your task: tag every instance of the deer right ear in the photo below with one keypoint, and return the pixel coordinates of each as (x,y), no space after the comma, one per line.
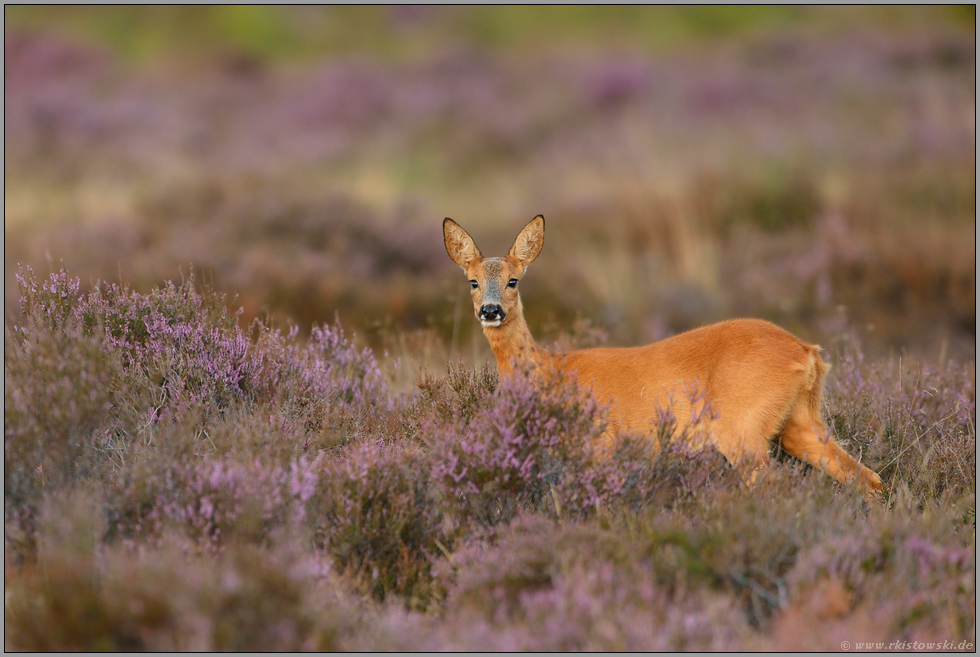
(459,245)
(529,241)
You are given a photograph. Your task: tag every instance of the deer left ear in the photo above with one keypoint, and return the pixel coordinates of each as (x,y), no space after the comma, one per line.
(459,245)
(529,241)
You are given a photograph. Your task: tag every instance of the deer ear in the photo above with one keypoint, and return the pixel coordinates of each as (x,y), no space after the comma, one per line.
(529,241)
(459,245)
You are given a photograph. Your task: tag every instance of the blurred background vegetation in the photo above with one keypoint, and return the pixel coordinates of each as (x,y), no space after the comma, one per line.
(394,34)
(811,165)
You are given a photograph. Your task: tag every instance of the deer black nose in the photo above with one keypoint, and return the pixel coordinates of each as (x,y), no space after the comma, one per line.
(491,311)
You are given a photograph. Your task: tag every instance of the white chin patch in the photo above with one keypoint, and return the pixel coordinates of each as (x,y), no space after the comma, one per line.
(495,323)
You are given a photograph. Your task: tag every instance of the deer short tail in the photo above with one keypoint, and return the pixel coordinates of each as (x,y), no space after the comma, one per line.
(805,435)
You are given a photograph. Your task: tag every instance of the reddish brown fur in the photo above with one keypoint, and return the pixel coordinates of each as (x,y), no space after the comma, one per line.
(762,382)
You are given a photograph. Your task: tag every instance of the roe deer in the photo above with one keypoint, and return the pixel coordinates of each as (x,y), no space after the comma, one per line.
(762,383)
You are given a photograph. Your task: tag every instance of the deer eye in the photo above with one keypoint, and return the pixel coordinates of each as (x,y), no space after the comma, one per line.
(474,285)
(512,282)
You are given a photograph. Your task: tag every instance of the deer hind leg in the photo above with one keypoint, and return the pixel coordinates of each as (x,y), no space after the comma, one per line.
(747,455)
(806,437)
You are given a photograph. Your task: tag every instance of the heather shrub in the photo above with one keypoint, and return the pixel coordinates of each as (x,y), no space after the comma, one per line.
(488,574)
(752,568)
(759,545)
(179,346)
(460,395)
(597,607)
(333,390)
(531,449)
(672,471)
(144,483)
(148,358)
(163,599)
(58,396)
(189,422)
(913,423)
(372,512)
(737,542)
(547,587)
(211,500)
(49,304)
(61,403)
(902,574)
(743,540)
(245,476)
(181,349)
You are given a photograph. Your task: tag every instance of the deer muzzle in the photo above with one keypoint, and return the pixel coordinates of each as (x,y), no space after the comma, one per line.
(491,314)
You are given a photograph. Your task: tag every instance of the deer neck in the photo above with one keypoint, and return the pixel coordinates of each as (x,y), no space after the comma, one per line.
(514,346)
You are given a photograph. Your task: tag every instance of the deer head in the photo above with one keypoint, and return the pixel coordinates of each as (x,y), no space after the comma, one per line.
(493,281)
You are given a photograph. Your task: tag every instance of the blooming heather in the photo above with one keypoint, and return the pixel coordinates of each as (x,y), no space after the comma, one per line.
(173,481)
